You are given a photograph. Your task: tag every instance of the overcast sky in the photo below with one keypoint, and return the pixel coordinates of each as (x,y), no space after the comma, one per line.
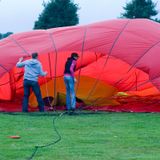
(20,15)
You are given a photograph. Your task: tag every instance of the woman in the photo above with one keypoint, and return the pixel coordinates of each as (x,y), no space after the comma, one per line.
(70,80)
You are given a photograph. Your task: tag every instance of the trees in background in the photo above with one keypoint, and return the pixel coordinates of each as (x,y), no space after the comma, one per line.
(57,13)
(4,35)
(140,9)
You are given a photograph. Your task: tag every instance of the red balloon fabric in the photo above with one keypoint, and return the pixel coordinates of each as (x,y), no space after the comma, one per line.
(118,68)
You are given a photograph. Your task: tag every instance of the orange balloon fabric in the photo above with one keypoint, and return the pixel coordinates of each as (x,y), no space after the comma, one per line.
(118,68)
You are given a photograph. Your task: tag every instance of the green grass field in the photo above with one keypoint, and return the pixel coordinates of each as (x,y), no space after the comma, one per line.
(87,136)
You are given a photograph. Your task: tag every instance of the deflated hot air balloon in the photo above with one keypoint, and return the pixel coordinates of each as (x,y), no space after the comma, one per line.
(118,68)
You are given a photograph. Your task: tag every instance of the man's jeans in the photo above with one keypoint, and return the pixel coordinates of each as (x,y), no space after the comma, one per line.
(36,89)
(70,93)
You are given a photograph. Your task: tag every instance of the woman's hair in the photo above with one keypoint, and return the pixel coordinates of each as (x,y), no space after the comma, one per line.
(74,54)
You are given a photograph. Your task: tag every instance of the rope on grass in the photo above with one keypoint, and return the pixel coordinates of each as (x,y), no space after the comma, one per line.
(49,144)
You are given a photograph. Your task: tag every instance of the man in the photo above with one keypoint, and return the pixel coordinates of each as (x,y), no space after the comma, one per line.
(32,70)
(70,80)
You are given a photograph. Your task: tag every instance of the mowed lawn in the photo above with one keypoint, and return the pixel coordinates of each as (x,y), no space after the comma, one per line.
(86,136)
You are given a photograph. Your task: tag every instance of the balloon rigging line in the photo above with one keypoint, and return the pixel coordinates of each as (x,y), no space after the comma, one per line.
(99,75)
(17,43)
(82,53)
(132,66)
(50,66)
(55,70)
(144,54)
